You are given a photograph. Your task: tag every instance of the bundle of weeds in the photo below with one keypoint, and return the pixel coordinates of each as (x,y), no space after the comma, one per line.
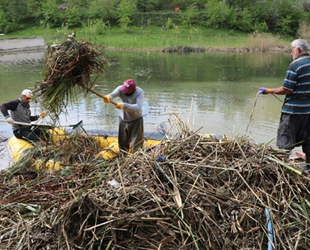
(190,192)
(75,149)
(68,65)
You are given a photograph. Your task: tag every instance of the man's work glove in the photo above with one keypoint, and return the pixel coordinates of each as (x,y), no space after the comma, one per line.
(9,120)
(119,105)
(43,115)
(263,91)
(106,98)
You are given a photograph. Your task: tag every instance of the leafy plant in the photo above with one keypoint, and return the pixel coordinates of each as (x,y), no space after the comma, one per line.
(150,5)
(218,13)
(126,10)
(243,20)
(191,15)
(73,17)
(304,31)
(49,15)
(102,9)
(169,24)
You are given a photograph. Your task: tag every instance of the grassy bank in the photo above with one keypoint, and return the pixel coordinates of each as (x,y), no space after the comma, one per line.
(155,37)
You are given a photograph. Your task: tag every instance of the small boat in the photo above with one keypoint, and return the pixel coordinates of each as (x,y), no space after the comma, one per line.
(109,144)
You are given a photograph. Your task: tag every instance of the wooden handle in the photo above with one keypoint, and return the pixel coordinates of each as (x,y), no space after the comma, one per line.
(95,92)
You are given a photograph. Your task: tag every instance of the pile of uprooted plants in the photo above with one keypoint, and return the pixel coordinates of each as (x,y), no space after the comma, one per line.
(190,192)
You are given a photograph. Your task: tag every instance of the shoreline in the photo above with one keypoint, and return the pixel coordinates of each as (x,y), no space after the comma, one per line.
(189,49)
(16,45)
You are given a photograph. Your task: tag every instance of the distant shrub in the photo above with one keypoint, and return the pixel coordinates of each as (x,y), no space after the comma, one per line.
(191,16)
(242,20)
(8,24)
(101,27)
(263,41)
(261,27)
(102,9)
(218,14)
(95,27)
(304,31)
(3,22)
(49,15)
(73,17)
(150,5)
(169,24)
(126,9)
(289,16)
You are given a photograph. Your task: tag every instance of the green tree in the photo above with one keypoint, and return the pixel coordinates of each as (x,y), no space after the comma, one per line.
(103,9)
(243,20)
(17,10)
(192,16)
(241,3)
(73,17)
(49,15)
(3,22)
(12,14)
(289,17)
(218,14)
(182,4)
(150,5)
(126,9)
(77,11)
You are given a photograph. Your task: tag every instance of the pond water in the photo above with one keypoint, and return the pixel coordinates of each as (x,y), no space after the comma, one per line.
(212,92)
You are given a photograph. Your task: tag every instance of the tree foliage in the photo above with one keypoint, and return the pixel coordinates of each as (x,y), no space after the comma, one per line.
(280,16)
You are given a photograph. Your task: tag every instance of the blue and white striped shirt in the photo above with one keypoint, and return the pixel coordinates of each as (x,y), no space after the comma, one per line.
(297,80)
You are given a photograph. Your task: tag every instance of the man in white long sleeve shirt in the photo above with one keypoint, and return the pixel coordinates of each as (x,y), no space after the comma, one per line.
(131,128)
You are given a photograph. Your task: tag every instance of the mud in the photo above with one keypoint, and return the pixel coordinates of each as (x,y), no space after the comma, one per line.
(21,44)
(188,49)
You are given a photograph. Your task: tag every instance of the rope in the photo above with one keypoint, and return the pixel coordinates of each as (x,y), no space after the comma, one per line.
(252,112)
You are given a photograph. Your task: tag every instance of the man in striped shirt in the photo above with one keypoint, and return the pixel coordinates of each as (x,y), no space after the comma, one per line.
(294,126)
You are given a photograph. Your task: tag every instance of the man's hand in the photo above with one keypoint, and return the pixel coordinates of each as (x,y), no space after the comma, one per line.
(106,98)
(9,120)
(263,91)
(43,115)
(119,105)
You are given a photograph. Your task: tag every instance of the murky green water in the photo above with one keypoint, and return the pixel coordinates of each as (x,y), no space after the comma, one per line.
(214,92)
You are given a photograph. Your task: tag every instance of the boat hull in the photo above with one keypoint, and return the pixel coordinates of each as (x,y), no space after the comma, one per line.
(109,145)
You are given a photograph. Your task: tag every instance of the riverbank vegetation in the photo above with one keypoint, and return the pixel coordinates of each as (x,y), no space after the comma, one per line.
(159,23)
(156,38)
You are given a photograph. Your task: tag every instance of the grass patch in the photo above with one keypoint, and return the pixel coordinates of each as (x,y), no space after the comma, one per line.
(152,37)
(304,31)
(263,41)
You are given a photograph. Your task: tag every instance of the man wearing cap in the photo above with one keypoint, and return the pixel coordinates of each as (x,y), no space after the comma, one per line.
(19,111)
(131,129)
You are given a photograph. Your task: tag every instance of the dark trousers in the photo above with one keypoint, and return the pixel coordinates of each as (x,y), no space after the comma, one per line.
(293,131)
(31,134)
(130,134)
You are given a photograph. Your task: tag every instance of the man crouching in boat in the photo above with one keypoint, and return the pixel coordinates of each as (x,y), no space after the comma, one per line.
(17,113)
(131,130)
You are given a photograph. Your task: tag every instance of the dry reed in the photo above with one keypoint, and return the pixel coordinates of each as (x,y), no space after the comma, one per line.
(189,192)
(68,65)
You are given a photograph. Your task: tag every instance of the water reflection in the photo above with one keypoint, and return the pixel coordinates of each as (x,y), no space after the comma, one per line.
(213,91)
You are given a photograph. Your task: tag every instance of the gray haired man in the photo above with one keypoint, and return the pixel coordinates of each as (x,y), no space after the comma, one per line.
(294,126)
